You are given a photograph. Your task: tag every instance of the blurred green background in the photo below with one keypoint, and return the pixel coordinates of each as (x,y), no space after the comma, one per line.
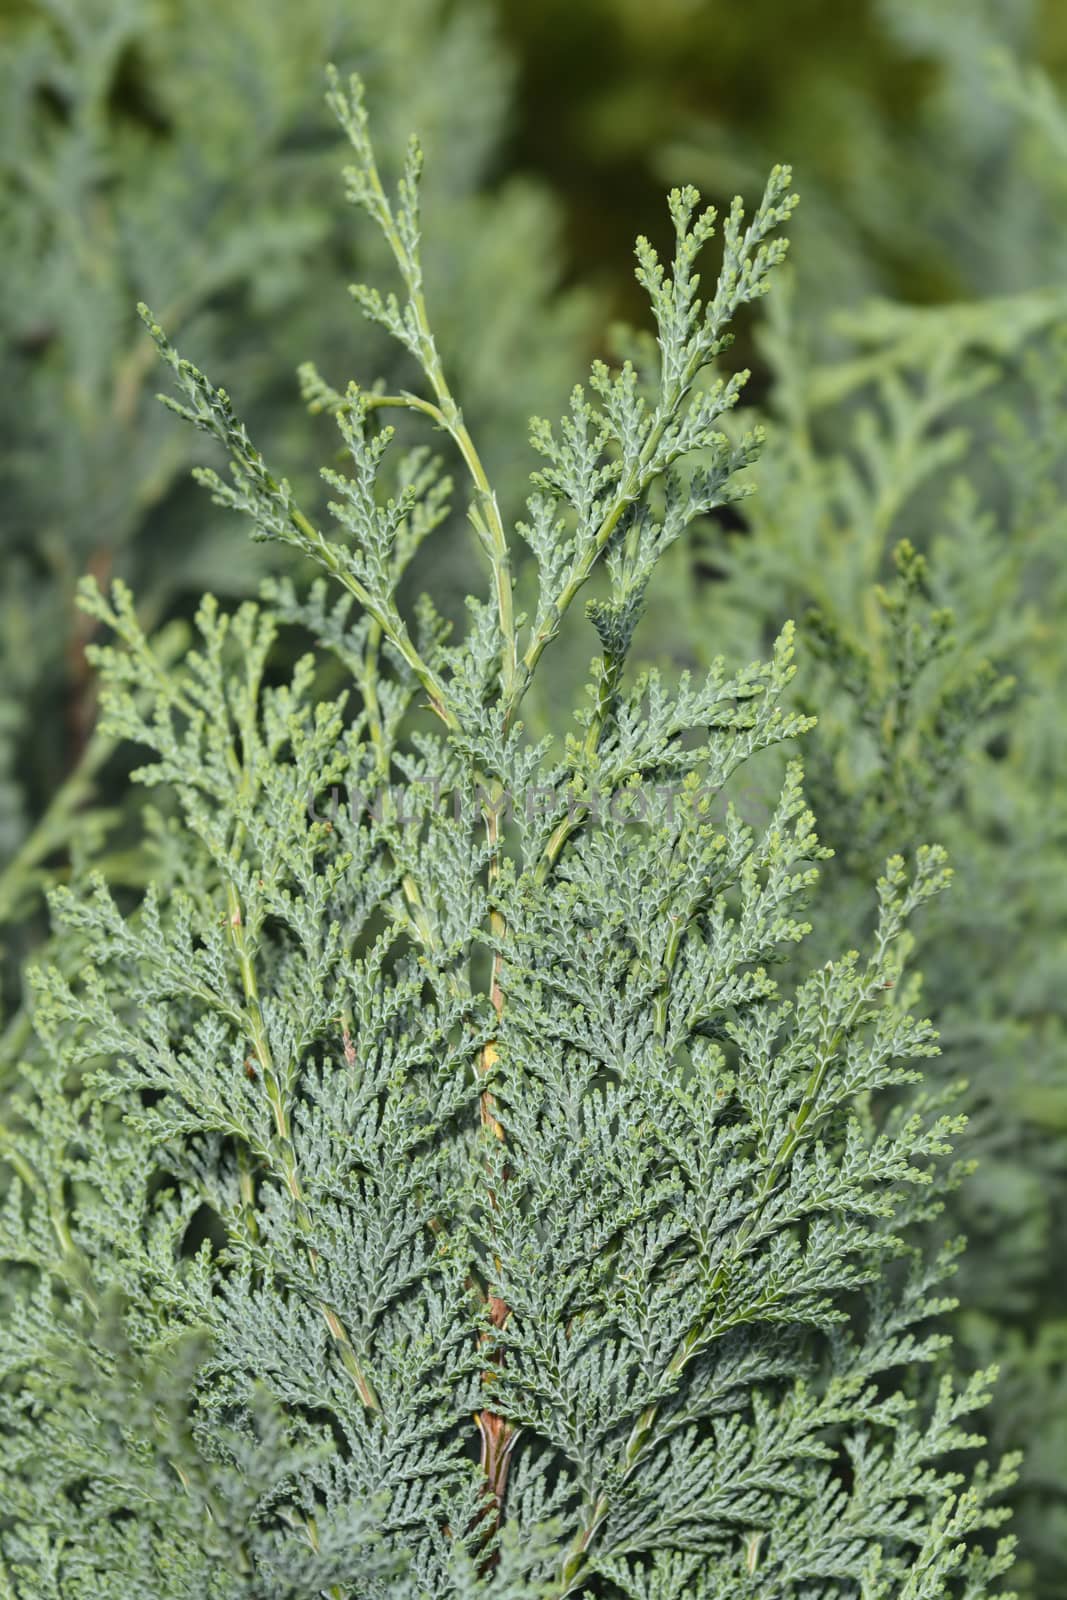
(912,375)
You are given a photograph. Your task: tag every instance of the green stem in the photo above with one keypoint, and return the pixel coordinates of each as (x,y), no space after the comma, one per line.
(402,402)
(497,1434)
(53,828)
(610,673)
(392,625)
(448,415)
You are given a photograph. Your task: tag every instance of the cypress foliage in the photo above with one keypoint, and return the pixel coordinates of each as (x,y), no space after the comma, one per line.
(470,1186)
(176,148)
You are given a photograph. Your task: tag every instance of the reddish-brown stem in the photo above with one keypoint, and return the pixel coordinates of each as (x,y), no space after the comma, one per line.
(498,1435)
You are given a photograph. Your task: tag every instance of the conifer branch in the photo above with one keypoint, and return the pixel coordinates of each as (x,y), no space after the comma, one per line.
(653,1216)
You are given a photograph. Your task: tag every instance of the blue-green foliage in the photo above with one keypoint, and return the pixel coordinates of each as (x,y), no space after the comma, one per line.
(942,426)
(447,1198)
(910,516)
(179,147)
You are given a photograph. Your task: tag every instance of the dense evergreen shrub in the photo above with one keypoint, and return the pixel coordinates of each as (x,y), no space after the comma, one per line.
(469,1187)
